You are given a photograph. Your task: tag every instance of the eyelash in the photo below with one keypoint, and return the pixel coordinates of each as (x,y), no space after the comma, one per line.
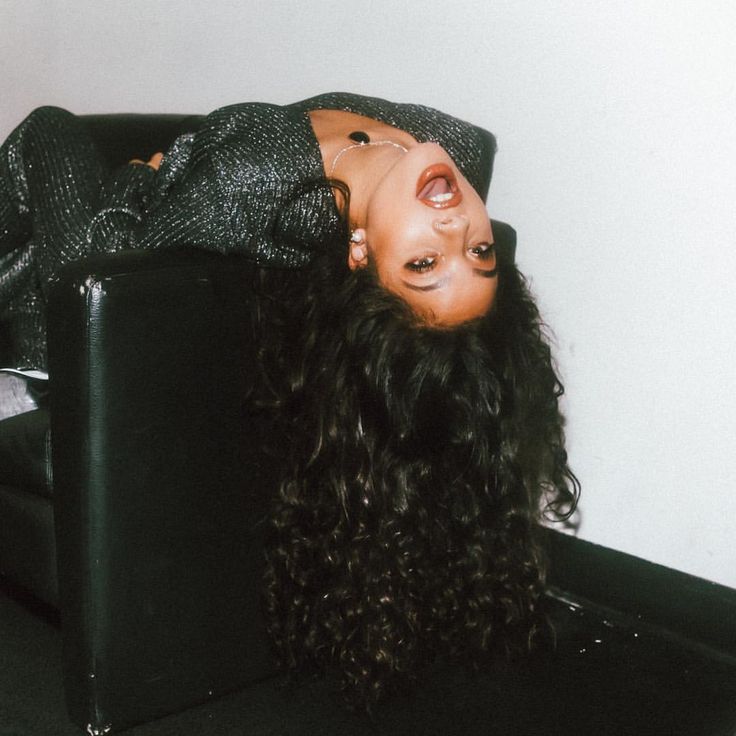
(422,264)
(483,251)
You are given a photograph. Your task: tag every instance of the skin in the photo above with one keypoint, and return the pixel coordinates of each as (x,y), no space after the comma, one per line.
(440,260)
(154,162)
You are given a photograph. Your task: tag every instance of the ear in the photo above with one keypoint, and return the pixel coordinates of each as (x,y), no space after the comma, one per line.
(358,250)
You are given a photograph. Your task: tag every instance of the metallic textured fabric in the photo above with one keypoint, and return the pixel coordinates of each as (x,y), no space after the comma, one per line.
(251,181)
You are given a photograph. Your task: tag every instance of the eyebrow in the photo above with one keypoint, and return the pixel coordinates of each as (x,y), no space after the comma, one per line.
(486,274)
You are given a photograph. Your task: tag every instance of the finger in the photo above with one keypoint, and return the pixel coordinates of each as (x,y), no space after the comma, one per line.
(155,161)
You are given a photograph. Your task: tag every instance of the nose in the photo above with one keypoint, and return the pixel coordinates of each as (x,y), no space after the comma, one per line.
(452,224)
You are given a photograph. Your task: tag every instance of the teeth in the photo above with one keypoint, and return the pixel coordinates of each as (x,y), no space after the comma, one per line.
(441,197)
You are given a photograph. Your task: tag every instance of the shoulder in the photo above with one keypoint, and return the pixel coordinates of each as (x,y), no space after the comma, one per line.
(244,120)
(255,139)
(470,146)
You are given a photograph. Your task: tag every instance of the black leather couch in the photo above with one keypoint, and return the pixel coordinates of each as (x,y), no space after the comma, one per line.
(134,503)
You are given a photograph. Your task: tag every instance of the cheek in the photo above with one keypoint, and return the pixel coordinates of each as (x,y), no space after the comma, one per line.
(396,239)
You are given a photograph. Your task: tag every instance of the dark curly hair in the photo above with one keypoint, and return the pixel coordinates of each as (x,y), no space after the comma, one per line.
(417,465)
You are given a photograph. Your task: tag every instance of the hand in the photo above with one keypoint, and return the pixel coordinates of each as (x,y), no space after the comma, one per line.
(154,162)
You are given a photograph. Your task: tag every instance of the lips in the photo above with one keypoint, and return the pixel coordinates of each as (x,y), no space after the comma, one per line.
(437,187)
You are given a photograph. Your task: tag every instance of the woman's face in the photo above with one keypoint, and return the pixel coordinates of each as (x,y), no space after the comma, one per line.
(429,238)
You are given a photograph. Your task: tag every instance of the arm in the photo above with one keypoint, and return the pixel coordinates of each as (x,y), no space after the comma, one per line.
(122,207)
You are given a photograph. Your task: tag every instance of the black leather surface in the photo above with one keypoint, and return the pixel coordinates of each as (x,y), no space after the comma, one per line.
(25,452)
(124,136)
(161,488)
(27,542)
(608,675)
(504,238)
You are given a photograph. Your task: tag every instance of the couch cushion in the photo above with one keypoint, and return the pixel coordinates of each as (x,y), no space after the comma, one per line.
(25,452)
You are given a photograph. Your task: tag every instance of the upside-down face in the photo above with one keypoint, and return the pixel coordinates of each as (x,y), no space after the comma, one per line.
(429,238)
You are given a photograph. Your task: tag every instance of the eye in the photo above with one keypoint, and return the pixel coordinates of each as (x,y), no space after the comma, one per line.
(483,251)
(425,263)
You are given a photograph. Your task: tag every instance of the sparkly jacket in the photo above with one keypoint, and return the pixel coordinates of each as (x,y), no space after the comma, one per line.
(251,180)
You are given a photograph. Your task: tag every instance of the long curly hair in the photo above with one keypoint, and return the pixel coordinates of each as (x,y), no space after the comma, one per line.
(417,465)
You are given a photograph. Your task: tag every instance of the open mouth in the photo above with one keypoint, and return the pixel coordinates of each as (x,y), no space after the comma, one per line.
(437,187)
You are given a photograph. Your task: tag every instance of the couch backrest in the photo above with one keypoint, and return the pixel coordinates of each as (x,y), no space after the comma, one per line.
(123,136)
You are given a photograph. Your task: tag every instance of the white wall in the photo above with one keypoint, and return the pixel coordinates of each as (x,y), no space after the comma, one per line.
(617,166)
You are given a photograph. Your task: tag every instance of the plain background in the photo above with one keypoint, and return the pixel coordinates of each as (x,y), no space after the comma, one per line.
(617,166)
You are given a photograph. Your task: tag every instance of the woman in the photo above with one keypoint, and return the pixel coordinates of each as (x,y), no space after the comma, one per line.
(406,373)
(253,180)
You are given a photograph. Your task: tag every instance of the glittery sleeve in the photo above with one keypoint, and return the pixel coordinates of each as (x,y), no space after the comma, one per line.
(121,208)
(249,186)
(51,181)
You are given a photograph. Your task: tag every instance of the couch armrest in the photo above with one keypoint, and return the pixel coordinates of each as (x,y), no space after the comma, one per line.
(160,488)
(505,238)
